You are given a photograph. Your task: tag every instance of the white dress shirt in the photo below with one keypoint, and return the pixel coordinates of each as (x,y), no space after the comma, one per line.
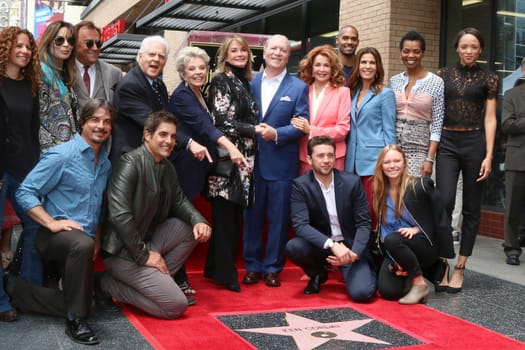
(329,198)
(269,86)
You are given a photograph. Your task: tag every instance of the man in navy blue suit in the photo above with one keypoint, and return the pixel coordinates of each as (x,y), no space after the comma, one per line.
(141,93)
(281,97)
(331,218)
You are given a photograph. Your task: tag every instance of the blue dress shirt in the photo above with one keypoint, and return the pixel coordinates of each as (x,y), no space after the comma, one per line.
(68,184)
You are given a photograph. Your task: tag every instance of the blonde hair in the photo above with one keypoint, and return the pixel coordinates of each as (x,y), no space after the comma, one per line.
(222,55)
(381,185)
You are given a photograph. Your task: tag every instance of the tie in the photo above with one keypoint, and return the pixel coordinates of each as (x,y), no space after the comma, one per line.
(85,77)
(156,89)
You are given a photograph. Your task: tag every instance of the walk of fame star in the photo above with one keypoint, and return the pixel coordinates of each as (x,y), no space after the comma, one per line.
(309,334)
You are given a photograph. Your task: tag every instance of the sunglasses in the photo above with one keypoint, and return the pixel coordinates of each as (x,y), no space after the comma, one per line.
(90,43)
(60,40)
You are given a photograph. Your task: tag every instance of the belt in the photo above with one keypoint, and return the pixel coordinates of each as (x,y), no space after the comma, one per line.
(452,128)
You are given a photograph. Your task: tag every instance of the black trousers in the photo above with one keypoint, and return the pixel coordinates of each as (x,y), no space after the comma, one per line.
(224,241)
(73,251)
(462,151)
(515,198)
(416,256)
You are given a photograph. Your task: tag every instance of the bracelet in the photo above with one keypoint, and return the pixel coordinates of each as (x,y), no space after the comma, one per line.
(430,160)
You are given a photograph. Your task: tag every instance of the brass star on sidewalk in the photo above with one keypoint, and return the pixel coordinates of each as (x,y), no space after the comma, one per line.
(309,334)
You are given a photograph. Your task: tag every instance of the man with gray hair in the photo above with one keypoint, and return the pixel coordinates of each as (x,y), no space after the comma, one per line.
(141,93)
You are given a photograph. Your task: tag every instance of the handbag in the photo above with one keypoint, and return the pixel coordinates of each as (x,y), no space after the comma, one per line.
(223,165)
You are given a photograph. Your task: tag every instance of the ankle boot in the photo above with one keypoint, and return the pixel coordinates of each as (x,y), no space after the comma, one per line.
(417,294)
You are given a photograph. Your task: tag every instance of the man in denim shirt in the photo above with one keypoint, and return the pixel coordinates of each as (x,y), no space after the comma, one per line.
(64,193)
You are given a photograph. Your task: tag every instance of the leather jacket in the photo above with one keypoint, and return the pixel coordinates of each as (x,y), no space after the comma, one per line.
(141,195)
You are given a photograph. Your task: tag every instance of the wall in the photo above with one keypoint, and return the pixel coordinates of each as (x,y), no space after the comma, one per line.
(382,23)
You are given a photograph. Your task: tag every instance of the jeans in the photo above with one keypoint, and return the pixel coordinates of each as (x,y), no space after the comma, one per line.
(29,261)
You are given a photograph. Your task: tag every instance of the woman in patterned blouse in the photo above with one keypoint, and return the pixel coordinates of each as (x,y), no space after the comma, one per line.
(58,102)
(467,140)
(234,110)
(419,105)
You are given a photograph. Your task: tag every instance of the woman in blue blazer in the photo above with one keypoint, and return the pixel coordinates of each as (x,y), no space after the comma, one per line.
(372,118)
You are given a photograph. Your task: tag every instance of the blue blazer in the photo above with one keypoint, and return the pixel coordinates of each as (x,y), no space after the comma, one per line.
(310,217)
(372,127)
(281,158)
(194,121)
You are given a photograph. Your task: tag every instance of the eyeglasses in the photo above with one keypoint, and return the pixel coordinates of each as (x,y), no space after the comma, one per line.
(90,43)
(60,40)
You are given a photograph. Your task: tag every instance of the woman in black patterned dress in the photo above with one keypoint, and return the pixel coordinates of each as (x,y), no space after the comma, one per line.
(234,110)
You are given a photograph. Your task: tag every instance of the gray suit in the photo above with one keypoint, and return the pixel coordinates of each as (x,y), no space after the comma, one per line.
(513,125)
(107,77)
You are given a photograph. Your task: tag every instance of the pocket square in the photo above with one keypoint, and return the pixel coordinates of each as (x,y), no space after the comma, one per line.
(286,98)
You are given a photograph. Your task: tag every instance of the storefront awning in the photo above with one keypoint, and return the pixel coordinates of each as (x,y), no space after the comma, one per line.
(186,15)
(121,48)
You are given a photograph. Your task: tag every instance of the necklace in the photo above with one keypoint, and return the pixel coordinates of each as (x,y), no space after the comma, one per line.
(19,76)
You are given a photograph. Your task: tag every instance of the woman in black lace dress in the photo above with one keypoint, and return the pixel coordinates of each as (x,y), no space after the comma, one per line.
(467,140)
(234,111)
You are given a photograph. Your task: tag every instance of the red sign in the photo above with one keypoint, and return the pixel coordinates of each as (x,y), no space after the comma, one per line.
(113,29)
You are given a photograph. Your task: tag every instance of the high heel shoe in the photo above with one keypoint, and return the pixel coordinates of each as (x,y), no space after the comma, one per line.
(417,294)
(456,281)
(442,283)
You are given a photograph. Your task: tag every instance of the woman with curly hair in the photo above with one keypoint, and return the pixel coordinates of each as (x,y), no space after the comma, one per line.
(58,102)
(19,124)
(329,102)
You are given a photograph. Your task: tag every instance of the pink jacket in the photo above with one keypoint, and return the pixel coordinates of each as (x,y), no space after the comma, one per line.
(332,119)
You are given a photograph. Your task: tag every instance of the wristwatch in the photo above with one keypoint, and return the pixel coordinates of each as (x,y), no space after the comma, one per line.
(329,243)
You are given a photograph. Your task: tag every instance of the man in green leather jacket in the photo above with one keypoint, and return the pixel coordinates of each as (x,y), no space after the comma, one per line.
(151,227)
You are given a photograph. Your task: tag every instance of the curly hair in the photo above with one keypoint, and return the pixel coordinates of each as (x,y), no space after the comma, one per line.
(45,45)
(337,77)
(186,54)
(31,72)
(355,79)
(222,55)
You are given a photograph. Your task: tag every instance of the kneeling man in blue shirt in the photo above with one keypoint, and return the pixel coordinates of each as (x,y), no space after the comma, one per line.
(64,193)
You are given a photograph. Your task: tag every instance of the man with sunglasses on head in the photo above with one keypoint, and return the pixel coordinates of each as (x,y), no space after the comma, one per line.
(94,78)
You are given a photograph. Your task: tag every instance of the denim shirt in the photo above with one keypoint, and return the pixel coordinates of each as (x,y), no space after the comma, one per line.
(393,224)
(67,184)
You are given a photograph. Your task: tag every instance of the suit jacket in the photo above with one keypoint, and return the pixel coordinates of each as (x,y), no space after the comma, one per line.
(135,100)
(310,216)
(513,124)
(106,80)
(373,126)
(332,119)
(281,158)
(195,121)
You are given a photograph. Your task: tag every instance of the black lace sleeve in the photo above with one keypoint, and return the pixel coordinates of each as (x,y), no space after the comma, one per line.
(466,91)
